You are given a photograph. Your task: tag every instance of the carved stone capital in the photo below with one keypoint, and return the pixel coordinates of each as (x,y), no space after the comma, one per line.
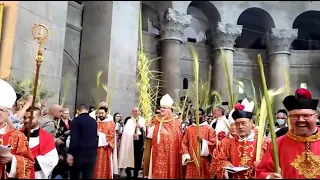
(173,24)
(225,35)
(279,40)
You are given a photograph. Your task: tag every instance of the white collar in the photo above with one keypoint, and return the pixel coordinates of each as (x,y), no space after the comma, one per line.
(34,129)
(3,130)
(248,138)
(136,117)
(221,118)
(202,124)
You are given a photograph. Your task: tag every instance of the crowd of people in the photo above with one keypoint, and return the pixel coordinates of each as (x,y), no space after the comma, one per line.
(40,144)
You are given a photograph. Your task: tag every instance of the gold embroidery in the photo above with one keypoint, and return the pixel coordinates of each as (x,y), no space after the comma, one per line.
(307,165)
(311,138)
(243,153)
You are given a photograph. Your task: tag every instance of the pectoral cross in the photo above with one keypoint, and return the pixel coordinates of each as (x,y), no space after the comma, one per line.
(244,159)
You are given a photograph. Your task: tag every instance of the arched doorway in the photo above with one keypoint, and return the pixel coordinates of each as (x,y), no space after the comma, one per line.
(308,25)
(205,17)
(256,24)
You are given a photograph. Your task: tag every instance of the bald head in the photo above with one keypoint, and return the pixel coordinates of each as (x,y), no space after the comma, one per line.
(103,104)
(55,111)
(135,112)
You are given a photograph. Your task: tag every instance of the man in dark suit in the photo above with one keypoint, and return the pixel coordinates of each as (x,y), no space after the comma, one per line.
(83,147)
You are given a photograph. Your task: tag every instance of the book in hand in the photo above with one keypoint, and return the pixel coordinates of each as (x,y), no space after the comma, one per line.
(232,169)
(5,149)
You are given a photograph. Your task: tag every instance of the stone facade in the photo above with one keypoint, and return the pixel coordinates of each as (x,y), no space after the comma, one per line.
(87,37)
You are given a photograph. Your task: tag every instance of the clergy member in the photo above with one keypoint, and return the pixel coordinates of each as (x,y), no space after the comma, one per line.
(221,124)
(106,132)
(132,142)
(190,143)
(238,151)
(166,134)
(299,149)
(93,114)
(18,162)
(42,146)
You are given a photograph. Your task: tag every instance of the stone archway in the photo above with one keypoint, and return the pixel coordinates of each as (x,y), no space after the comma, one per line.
(256,23)
(308,25)
(205,17)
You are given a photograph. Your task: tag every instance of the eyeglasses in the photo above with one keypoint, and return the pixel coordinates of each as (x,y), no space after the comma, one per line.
(304,116)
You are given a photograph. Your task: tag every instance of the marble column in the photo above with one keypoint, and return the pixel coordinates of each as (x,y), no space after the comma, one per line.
(172,26)
(278,46)
(224,37)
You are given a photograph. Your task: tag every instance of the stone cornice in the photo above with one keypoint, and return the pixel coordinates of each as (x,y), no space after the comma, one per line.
(225,35)
(173,24)
(279,40)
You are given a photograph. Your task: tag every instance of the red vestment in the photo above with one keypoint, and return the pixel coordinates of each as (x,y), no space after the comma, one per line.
(103,166)
(190,146)
(165,156)
(21,152)
(299,157)
(42,144)
(236,152)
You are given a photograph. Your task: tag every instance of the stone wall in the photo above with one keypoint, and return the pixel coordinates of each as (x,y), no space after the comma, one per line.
(21,47)
(71,56)
(304,65)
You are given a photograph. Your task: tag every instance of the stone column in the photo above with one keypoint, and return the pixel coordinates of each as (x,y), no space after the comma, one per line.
(172,26)
(224,37)
(109,44)
(278,46)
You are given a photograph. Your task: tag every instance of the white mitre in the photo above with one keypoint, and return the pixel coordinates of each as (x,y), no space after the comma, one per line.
(230,119)
(7,95)
(248,106)
(166,101)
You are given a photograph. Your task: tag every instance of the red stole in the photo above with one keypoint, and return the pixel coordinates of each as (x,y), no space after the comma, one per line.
(46,144)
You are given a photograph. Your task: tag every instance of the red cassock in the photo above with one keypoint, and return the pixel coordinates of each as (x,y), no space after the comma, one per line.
(23,161)
(42,146)
(165,157)
(299,157)
(236,152)
(190,147)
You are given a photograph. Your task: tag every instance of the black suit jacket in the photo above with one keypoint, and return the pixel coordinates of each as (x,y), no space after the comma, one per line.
(84,136)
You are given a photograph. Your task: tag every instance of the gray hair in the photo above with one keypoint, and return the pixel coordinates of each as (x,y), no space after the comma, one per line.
(222,109)
(282,114)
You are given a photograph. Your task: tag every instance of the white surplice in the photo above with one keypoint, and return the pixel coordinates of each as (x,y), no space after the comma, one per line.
(47,162)
(126,154)
(102,141)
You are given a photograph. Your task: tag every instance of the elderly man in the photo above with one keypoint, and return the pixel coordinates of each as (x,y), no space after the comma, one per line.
(298,150)
(282,127)
(166,134)
(221,124)
(16,160)
(131,148)
(240,150)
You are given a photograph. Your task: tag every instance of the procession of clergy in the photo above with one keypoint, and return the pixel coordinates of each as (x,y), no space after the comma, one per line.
(171,152)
